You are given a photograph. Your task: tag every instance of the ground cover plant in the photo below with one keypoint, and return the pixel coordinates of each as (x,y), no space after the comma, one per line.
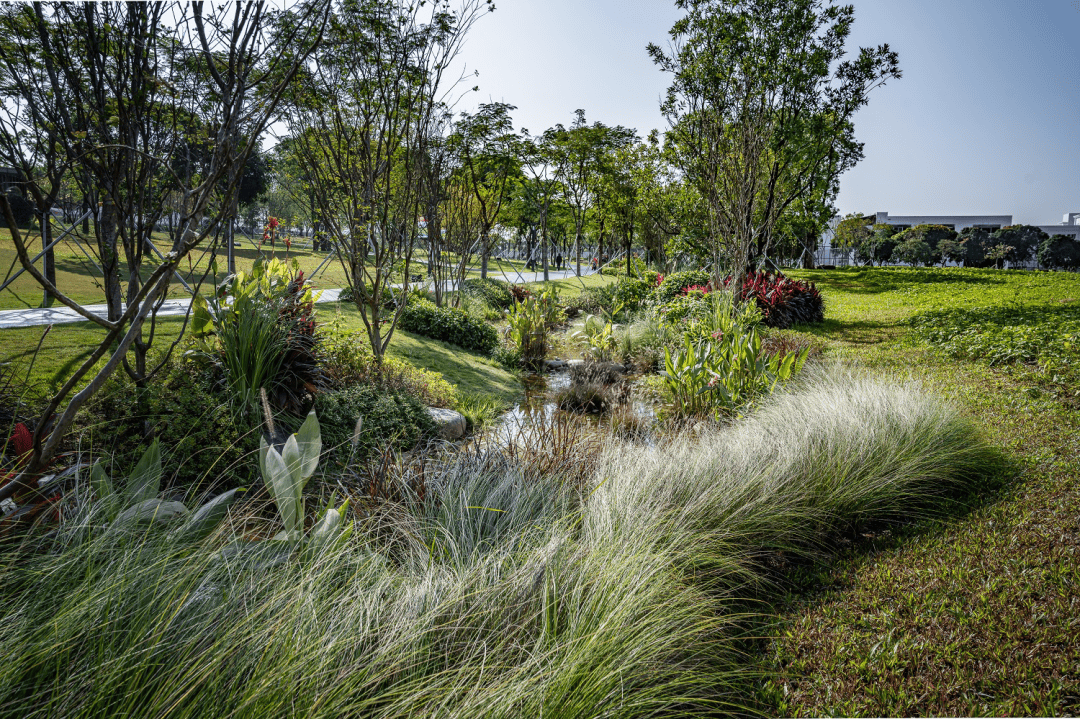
(973,612)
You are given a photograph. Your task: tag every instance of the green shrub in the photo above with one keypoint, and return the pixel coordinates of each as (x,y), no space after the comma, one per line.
(495,292)
(673,285)
(1060,252)
(21,208)
(190,414)
(347,358)
(393,417)
(593,301)
(449,325)
(529,323)
(261,335)
(631,293)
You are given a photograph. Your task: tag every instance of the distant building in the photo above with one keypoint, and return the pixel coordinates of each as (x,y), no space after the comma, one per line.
(953,222)
(10,180)
(826,254)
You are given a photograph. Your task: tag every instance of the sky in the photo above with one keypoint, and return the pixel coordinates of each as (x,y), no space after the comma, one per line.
(985,120)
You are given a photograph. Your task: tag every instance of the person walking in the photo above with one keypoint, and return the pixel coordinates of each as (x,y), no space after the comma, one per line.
(558,261)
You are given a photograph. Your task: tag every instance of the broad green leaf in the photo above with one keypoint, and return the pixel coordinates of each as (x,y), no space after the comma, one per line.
(206,518)
(100,482)
(151,510)
(309,442)
(280,483)
(202,322)
(145,479)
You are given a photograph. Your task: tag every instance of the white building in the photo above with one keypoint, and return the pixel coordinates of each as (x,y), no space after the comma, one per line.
(1070,225)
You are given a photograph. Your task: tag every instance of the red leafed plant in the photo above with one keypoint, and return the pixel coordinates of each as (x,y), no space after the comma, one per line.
(782,301)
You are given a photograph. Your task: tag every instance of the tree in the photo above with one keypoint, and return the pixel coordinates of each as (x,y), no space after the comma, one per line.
(576,156)
(929,235)
(115,88)
(1022,241)
(761,106)
(1060,252)
(361,121)
(488,156)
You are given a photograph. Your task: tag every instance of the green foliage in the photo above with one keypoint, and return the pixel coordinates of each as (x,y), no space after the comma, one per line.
(1060,252)
(386,417)
(914,252)
(726,375)
(495,292)
(673,285)
(918,245)
(348,360)
(259,329)
(1009,334)
(631,293)
(529,323)
(188,413)
(599,334)
(450,325)
(138,503)
(1022,241)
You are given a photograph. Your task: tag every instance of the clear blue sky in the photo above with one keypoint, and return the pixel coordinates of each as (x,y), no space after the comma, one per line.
(985,120)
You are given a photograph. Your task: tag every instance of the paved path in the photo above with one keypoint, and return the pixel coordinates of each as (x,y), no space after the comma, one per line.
(60,314)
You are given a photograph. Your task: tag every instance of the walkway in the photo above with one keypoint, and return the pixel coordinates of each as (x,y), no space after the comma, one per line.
(10,319)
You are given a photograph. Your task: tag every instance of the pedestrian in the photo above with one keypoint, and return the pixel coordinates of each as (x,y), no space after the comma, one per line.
(558,261)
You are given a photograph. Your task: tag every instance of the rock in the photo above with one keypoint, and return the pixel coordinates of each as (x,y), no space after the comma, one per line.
(555,364)
(451,424)
(575,362)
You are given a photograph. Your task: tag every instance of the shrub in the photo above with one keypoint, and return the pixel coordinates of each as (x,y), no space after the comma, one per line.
(674,284)
(495,292)
(260,333)
(389,417)
(783,301)
(631,292)
(188,413)
(389,301)
(593,300)
(449,325)
(1060,252)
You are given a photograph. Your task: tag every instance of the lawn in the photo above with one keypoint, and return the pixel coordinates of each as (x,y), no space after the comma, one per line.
(975,612)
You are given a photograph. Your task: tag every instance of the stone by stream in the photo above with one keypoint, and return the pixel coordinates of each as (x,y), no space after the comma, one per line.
(451,424)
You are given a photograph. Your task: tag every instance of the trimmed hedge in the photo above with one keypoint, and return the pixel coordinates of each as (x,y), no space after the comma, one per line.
(449,325)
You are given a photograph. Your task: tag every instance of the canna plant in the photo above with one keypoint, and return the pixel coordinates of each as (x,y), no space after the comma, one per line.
(726,374)
(529,322)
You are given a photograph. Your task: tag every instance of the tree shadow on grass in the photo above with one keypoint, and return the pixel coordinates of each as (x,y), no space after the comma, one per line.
(876,280)
(859,332)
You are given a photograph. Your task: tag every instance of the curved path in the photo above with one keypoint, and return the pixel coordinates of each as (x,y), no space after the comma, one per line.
(173,308)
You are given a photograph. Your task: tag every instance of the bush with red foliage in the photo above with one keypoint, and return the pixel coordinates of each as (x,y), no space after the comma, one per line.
(782,301)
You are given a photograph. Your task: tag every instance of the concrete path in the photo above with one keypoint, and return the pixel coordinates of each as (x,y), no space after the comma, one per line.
(59,314)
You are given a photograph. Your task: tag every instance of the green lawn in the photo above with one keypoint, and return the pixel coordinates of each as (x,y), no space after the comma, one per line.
(65,346)
(977,612)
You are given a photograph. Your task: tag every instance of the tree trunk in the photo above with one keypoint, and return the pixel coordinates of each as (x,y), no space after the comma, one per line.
(49,265)
(110,258)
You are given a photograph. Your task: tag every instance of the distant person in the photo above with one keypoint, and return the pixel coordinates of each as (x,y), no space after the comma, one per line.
(558,261)
(595,263)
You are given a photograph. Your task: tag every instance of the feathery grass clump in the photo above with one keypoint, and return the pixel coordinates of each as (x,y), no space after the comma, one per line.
(508,593)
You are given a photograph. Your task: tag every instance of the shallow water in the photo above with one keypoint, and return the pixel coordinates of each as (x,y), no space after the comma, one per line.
(539,407)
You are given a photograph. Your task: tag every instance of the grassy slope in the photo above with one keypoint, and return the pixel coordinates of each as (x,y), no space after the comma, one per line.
(973,614)
(65,346)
